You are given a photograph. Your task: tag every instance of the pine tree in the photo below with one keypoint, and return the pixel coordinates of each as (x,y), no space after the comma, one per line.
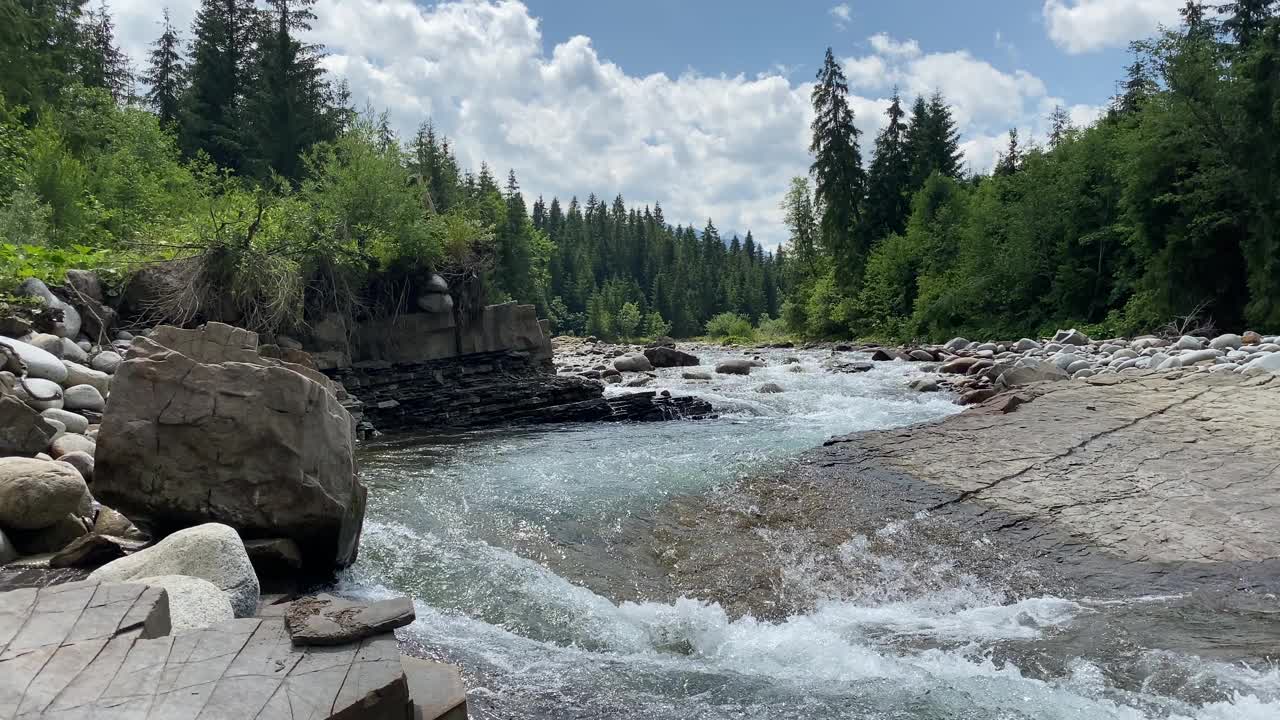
(1136,88)
(1011,158)
(288,107)
(916,138)
(106,65)
(889,178)
(44,47)
(803,242)
(212,108)
(1195,20)
(515,247)
(840,182)
(166,76)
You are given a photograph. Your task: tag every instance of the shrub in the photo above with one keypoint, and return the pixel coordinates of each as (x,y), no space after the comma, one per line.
(730,325)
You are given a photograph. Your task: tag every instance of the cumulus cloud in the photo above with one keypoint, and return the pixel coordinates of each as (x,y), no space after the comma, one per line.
(843,14)
(569,121)
(1079,26)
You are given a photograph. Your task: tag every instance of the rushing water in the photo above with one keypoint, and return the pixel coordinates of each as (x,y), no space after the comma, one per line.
(511,543)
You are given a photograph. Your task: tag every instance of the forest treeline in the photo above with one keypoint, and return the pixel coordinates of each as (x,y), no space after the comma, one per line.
(1166,207)
(233,151)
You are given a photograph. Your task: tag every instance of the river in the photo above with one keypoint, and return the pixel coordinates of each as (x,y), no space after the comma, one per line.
(519,549)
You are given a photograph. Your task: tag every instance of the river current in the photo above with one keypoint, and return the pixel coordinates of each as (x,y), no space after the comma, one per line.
(518,548)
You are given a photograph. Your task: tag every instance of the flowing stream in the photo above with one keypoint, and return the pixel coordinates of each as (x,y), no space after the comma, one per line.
(511,543)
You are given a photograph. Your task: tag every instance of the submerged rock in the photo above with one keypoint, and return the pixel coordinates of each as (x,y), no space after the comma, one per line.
(735,366)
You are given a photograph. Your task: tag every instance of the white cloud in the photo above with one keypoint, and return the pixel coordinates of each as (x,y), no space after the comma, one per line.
(1079,26)
(572,122)
(843,14)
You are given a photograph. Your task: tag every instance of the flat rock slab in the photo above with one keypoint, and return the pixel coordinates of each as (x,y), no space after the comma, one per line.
(327,620)
(88,650)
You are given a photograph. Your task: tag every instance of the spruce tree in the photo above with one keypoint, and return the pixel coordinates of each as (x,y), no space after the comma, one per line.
(106,66)
(840,182)
(515,246)
(1011,158)
(917,141)
(166,75)
(889,185)
(1059,126)
(288,107)
(212,108)
(1244,20)
(945,157)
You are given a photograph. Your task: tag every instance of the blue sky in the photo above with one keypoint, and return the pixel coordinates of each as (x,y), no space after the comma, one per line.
(724,36)
(701,105)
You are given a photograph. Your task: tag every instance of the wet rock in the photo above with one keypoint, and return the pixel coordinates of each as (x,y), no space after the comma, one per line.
(632,363)
(274,556)
(93,550)
(22,430)
(769,388)
(111,522)
(194,603)
(927,385)
(436,688)
(37,493)
(328,620)
(795,369)
(639,382)
(213,552)
(40,363)
(955,344)
(689,375)
(51,539)
(735,366)
(613,379)
(919,355)
(665,357)
(8,553)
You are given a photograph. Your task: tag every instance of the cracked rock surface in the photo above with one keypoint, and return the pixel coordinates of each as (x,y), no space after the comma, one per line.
(1116,486)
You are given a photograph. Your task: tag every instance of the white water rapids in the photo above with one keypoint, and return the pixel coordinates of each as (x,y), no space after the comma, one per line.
(475,528)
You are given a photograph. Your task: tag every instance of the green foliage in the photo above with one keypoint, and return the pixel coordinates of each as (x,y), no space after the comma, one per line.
(49,264)
(730,325)
(628,320)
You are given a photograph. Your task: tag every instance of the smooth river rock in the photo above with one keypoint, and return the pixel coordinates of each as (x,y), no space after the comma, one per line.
(213,552)
(37,493)
(40,364)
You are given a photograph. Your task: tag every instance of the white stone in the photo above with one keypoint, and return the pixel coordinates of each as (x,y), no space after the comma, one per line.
(70,325)
(1226,342)
(956,344)
(51,344)
(211,551)
(83,397)
(194,602)
(36,493)
(1123,354)
(1269,362)
(1170,363)
(41,394)
(1065,360)
(70,442)
(1198,356)
(40,364)
(1186,342)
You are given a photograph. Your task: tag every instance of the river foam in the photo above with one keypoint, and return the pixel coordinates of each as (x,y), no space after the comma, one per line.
(474,527)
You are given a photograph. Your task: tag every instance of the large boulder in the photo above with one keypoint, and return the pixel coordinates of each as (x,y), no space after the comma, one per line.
(78,374)
(632,363)
(64,531)
(193,602)
(36,493)
(735,366)
(22,430)
(1071,337)
(39,393)
(83,397)
(229,437)
(40,363)
(664,357)
(212,551)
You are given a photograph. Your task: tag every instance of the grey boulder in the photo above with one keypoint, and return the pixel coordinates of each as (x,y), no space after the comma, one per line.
(83,397)
(39,393)
(78,374)
(40,364)
(211,551)
(632,363)
(72,422)
(664,357)
(70,325)
(37,493)
(1227,341)
(1030,371)
(769,389)
(257,444)
(106,361)
(735,366)
(69,443)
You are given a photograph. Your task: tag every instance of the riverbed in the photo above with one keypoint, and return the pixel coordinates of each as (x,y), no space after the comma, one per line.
(526,553)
